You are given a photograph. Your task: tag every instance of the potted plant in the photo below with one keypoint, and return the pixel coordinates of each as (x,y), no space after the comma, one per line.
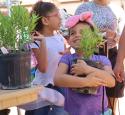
(90,43)
(14,34)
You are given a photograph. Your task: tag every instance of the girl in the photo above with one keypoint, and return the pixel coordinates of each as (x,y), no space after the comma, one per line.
(47,60)
(83,104)
(111,22)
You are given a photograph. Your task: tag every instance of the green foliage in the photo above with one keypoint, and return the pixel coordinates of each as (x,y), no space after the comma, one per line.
(90,42)
(7,32)
(15,29)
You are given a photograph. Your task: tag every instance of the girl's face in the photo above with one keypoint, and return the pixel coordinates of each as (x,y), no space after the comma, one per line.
(54,19)
(76,34)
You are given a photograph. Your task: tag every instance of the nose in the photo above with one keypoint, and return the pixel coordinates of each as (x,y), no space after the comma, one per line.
(78,35)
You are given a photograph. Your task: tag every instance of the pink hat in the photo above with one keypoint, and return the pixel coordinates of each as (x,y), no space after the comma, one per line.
(73,20)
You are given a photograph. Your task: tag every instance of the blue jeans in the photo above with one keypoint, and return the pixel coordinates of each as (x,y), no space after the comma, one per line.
(108,112)
(48,110)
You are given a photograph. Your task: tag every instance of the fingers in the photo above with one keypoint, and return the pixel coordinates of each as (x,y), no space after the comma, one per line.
(73,71)
(37,36)
(99,82)
(75,66)
(120,76)
(81,61)
(94,81)
(108,33)
(102,30)
(37,33)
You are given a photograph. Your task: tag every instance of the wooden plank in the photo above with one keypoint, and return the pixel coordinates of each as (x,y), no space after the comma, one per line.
(9,98)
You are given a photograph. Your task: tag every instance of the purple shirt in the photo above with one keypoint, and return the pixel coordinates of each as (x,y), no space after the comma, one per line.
(83,104)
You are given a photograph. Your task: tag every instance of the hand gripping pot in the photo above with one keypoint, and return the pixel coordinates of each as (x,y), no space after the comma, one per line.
(88,90)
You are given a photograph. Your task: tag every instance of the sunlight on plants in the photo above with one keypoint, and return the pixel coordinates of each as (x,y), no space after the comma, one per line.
(90,42)
(15,29)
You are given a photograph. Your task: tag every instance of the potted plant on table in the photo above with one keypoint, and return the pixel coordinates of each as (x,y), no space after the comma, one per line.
(90,44)
(14,57)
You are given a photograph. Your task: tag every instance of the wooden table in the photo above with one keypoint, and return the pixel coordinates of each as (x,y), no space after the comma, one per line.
(9,98)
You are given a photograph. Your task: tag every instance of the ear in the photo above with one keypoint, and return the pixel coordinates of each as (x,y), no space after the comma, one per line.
(44,20)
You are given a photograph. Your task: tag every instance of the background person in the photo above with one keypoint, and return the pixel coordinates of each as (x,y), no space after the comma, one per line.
(119,67)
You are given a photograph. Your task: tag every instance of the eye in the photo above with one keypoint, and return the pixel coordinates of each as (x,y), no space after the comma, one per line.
(81,31)
(72,33)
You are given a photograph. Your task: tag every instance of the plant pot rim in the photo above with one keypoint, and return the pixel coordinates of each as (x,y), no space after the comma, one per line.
(15,53)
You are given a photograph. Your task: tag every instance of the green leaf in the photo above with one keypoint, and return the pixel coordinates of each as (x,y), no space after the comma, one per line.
(15,29)
(89,42)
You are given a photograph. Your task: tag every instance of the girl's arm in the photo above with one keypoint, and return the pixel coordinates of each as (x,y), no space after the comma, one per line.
(41,54)
(106,74)
(64,80)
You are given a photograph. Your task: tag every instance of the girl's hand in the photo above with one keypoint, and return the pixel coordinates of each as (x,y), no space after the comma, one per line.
(37,36)
(80,68)
(110,36)
(119,72)
(94,81)
(111,43)
(109,33)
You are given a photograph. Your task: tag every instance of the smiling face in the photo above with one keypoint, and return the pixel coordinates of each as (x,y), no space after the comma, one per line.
(76,34)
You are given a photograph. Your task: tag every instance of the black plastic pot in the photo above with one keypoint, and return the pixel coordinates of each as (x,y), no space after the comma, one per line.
(88,90)
(15,70)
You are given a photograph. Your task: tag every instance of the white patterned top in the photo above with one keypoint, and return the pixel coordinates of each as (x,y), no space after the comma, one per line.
(104,16)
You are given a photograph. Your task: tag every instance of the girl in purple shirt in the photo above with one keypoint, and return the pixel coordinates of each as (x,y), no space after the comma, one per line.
(76,103)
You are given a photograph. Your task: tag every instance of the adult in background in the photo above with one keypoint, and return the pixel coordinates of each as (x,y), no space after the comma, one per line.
(119,67)
(111,24)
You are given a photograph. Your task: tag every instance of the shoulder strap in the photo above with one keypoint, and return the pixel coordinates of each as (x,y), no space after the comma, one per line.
(36,43)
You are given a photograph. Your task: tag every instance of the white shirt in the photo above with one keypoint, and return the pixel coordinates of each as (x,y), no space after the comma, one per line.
(54,44)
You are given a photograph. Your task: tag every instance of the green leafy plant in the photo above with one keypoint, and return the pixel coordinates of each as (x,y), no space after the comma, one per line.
(15,29)
(90,42)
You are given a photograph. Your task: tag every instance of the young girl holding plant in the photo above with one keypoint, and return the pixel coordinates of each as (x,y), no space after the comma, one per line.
(67,73)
